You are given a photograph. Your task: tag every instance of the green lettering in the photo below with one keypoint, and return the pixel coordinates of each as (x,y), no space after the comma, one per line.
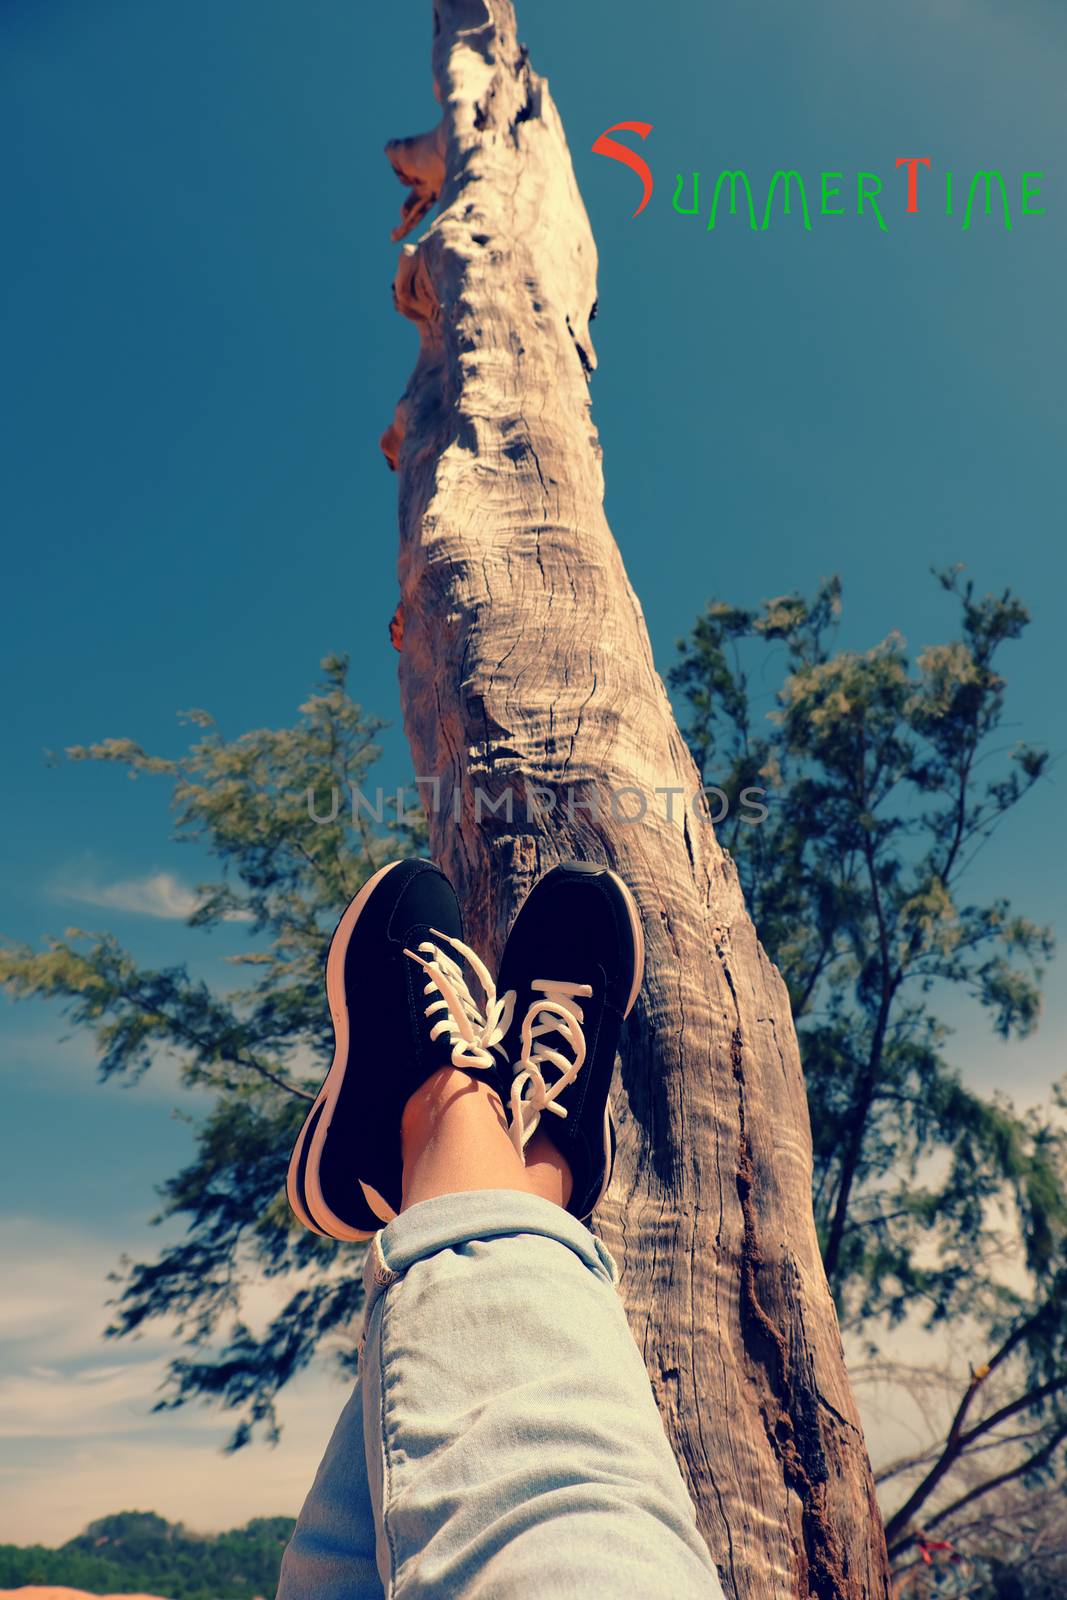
(987,178)
(1031,192)
(686,211)
(871,195)
(826,192)
(948,194)
(733,177)
(788,176)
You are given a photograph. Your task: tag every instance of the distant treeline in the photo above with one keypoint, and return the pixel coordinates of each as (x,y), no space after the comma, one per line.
(137,1550)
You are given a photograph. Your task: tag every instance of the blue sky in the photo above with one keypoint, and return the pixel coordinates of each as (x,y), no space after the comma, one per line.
(199,356)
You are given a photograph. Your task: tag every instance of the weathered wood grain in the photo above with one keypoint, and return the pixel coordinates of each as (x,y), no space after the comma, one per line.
(525,666)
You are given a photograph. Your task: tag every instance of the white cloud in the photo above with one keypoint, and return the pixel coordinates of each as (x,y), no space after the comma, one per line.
(82,1404)
(157,894)
(54,1307)
(170,1468)
(76,1422)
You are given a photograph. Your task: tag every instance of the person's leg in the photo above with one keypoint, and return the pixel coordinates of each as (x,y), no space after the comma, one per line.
(454,1136)
(401,910)
(514,1447)
(331,1555)
(512,1442)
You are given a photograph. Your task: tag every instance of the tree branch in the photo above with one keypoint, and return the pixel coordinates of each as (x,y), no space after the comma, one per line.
(956,1440)
(1032,1463)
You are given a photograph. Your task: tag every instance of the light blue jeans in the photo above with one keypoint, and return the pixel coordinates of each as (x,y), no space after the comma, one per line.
(502,1442)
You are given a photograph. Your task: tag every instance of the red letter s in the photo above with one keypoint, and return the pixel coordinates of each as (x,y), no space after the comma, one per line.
(629,158)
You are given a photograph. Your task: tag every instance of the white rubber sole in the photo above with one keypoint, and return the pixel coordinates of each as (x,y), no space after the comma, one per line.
(292,1184)
(316,1214)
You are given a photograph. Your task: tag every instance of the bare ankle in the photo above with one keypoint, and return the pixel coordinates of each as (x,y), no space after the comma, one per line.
(442,1091)
(454,1136)
(547,1171)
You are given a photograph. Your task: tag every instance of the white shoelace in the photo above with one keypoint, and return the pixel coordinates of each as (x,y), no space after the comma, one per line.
(558,1012)
(475,1033)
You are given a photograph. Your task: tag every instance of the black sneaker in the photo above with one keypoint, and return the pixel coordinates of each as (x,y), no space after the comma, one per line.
(401,1010)
(574,959)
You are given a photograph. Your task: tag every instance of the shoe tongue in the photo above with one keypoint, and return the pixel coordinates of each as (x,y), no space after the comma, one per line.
(429,902)
(419,933)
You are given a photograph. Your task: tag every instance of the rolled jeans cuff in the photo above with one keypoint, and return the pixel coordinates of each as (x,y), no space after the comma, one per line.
(451,1220)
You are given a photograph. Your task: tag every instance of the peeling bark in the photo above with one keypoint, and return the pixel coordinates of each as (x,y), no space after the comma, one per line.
(526,668)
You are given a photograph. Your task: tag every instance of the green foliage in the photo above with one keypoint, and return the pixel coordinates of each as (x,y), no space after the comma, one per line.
(884,777)
(137,1550)
(259,1051)
(879,797)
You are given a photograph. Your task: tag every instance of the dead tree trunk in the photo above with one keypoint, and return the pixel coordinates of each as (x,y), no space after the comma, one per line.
(526,672)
